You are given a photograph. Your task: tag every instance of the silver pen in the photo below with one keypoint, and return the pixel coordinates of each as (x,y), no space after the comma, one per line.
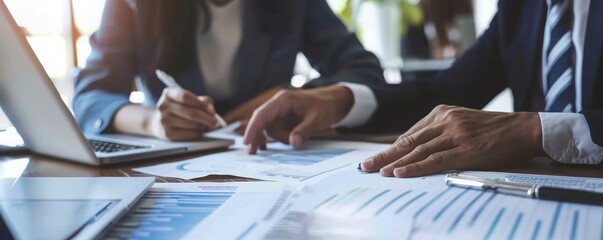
(171,83)
(525,190)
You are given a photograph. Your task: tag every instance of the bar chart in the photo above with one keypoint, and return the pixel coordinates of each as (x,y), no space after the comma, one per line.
(167,215)
(456,213)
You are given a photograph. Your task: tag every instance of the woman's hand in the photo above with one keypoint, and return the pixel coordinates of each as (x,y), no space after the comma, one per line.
(181,115)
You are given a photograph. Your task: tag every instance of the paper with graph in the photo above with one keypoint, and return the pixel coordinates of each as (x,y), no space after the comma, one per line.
(431,210)
(279,163)
(200,210)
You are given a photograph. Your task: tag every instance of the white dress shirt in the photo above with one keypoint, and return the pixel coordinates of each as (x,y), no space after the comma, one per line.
(565,136)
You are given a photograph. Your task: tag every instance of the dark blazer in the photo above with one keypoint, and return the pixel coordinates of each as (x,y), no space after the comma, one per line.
(507,55)
(125,47)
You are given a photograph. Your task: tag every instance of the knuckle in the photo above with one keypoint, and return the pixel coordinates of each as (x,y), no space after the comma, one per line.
(163,106)
(164,119)
(422,149)
(416,168)
(169,134)
(406,142)
(399,163)
(440,108)
(380,157)
(437,158)
(401,137)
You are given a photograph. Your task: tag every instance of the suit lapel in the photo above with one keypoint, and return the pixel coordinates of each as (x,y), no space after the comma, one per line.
(530,60)
(252,54)
(592,51)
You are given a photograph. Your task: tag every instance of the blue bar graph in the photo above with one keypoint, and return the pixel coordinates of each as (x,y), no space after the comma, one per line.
(370,201)
(515,226)
(338,201)
(447,206)
(296,157)
(167,215)
(431,202)
(536,230)
(410,202)
(325,201)
(247,231)
(575,225)
(392,202)
(481,209)
(495,223)
(462,213)
(555,219)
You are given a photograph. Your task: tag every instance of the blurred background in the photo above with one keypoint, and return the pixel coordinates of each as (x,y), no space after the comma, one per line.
(412,38)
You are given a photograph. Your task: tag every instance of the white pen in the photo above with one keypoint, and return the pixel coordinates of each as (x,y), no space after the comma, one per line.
(171,83)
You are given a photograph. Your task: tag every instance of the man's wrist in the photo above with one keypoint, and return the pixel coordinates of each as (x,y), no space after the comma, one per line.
(533,133)
(343,99)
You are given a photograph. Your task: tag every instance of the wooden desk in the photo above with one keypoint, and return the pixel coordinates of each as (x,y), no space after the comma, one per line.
(43,166)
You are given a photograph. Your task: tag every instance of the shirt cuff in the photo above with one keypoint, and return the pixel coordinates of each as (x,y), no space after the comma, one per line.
(364,106)
(566,138)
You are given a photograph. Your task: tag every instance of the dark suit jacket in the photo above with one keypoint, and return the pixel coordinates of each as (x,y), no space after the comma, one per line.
(507,55)
(274,31)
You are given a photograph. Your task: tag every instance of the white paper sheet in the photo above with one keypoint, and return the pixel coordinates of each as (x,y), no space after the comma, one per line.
(441,212)
(279,163)
(335,215)
(200,210)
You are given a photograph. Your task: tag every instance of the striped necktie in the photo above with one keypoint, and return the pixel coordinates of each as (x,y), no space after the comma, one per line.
(559,63)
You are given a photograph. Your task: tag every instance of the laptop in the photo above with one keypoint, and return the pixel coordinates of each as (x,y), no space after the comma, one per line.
(34,106)
(66,208)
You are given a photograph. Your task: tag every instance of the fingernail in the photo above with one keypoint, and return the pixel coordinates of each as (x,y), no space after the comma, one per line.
(296,140)
(386,171)
(368,164)
(400,172)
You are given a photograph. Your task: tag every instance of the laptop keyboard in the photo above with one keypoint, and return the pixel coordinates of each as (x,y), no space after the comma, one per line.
(110,147)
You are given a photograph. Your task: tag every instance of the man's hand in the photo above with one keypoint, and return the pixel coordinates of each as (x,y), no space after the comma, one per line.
(460,138)
(181,115)
(293,116)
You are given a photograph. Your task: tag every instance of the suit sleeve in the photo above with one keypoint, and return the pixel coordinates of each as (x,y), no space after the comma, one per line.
(595,124)
(472,81)
(334,51)
(104,85)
